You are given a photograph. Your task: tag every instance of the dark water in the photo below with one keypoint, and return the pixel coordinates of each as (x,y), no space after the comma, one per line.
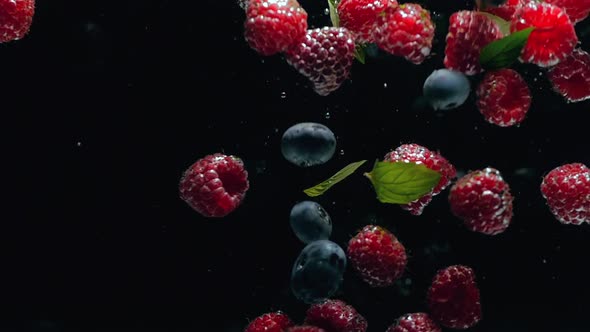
(105,103)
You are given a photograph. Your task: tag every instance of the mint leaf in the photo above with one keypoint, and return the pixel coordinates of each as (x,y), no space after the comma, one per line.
(401,182)
(502,53)
(359,53)
(502,23)
(339,176)
(333,4)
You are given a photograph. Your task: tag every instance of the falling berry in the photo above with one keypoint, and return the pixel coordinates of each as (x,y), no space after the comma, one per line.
(453,298)
(503,97)
(553,38)
(335,316)
(577,10)
(414,322)
(16,17)
(571,77)
(360,16)
(483,201)
(270,322)
(567,191)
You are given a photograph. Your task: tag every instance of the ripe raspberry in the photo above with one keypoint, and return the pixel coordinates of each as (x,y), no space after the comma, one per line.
(405,31)
(214,185)
(577,10)
(453,298)
(414,153)
(567,191)
(324,57)
(553,38)
(483,201)
(377,255)
(415,322)
(503,97)
(335,316)
(305,328)
(16,17)
(273,26)
(506,10)
(469,32)
(270,322)
(359,16)
(571,77)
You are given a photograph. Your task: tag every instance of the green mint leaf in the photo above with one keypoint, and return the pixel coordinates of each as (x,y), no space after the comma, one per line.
(502,23)
(339,176)
(359,53)
(502,53)
(401,182)
(333,4)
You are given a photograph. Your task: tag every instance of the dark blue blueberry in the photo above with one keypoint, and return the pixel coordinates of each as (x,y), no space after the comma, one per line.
(310,222)
(446,89)
(308,144)
(318,271)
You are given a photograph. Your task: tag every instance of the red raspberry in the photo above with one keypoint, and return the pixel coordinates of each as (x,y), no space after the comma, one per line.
(553,38)
(577,10)
(416,322)
(16,17)
(571,77)
(483,201)
(406,31)
(453,298)
(305,328)
(324,57)
(567,191)
(414,153)
(214,185)
(506,10)
(335,316)
(469,32)
(273,26)
(270,322)
(359,16)
(503,97)
(377,255)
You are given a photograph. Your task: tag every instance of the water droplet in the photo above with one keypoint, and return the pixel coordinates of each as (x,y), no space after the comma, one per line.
(327,115)
(327,11)
(283,95)
(78,144)
(385,85)
(544,261)
(342,152)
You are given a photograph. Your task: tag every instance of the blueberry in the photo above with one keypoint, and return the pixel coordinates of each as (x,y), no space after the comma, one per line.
(310,222)
(318,271)
(308,144)
(446,89)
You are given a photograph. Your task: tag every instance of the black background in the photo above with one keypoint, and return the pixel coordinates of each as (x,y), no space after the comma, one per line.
(105,103)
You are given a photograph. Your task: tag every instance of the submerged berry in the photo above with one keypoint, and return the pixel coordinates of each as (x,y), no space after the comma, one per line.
(310,222)
(446,89)
(308,144)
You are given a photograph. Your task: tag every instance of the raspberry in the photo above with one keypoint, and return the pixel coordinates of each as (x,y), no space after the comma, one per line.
(377,255)
(273,26)
(360,16)
(453,298)
(506,10)
(270,322)
(405,31)
(324,57)
(16,17)
(571,77)
(483,201)
(414,153)
(567,191)
(469,32)
(335,316)
(553,38)
(577,10)
(503,97)
(415,322)
(305,328)
(215,185)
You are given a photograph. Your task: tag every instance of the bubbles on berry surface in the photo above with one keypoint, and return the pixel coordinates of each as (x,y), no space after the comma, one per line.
(318,271)
(446,89)
(310,222)
(308,144)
